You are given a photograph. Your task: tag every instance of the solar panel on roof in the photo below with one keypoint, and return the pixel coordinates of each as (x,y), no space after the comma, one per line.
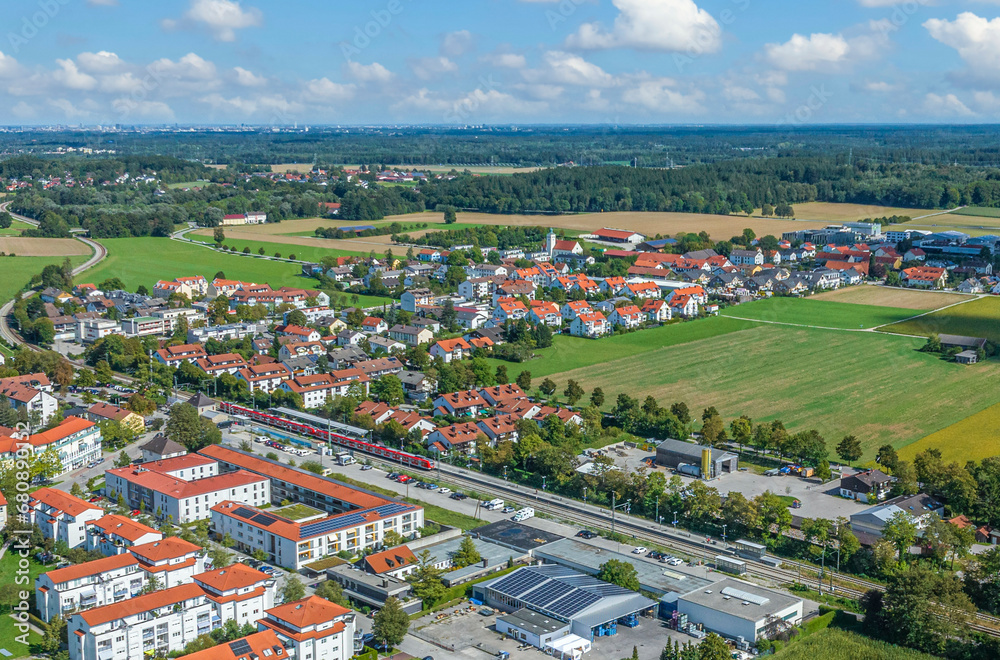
(264,520)
(244,512)
(548,593)
(572,603)
(519,582)
(240,647)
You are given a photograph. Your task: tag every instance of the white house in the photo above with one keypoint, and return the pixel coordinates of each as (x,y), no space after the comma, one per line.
(312,628)
(589,325)
(88,585)
(61,516)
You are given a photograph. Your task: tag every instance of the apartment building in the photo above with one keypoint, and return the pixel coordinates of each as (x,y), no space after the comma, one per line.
(30,392)
(173,560)
(173,356)
(88,585)
(312,628)
(264,377)
(77,441)
(258,646)
(238,592)
(61,516)
(114,534)
(158,622)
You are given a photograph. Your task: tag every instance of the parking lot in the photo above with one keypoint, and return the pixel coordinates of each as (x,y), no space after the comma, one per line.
(818,500)
(461,633)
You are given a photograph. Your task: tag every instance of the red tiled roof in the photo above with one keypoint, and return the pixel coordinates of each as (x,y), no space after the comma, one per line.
(126,528)
(307,612)
(96,567)
(257,642)
(179,488)
(70,426)
(390,560)
(63,501)
(229,578)
(171,547)
(613,233)
(145,603)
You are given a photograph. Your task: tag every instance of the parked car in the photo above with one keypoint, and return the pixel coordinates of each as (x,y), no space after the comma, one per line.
(508,509)
(675,561)
(586,534)
(96,498)
(639,551)
(365,467)
(459,496)
(135,512)
(444,490)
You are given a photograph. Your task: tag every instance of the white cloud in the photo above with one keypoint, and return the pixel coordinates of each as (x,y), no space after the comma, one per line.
(121,83)
(881,87)
(102,3)
(660,95)
(427,68)
(222,18)
(69,109)
(659,25)
(274,107)
(948,105)
(976,39)
(69,75)
(544,92)
(99,62)
(373,72)
(8,65)
(457,43)
(23,111)
(248,78)
(129,108)
(802,53)
(324,89)
(507,60)
(479,103)
(740,94)
(189,67)
(567,69)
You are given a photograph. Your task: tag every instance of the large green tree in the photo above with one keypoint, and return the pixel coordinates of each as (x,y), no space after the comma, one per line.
(619,572)
(391,623)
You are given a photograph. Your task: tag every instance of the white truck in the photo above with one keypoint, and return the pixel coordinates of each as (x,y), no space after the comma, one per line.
(345,458)
(524,514)
(493,505)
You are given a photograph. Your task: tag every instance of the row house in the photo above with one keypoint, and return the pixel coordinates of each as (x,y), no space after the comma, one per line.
(264,377)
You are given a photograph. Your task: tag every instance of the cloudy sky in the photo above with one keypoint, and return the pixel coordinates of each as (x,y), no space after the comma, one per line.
(499,61)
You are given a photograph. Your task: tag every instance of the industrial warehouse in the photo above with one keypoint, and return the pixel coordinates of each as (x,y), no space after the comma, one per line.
(695,460)
(557,609)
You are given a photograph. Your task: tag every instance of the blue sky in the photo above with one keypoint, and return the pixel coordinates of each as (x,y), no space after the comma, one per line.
(500,61)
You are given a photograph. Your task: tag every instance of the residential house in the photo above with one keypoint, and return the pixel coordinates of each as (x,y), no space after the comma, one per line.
(591,325)
(656,311)
(628,316)
(411,300)
(173,356)
(410,335)
(173,560)
(747,257)
(545,313)
(459,437)
(298,332)
(100,412)
(264,377)
(684,306)
(644,290)
(31,393)
(61,516)
(350,338)
(312,628)
(374,325)
(300,349)
(226,363)
(451,349)
(114,535)
(867,486)
(502,394)
(460,403)
(378,367)
(925,277)
(575,308)
(499,429)
(81,587)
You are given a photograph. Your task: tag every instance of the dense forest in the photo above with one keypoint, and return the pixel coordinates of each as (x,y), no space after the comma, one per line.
(645,146)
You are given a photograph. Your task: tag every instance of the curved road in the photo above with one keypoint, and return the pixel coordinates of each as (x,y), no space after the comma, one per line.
(100,253)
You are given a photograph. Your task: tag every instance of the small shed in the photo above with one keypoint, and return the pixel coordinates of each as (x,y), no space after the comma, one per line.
(967,357)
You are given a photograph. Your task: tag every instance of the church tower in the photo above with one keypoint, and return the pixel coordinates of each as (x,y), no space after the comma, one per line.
(550,243)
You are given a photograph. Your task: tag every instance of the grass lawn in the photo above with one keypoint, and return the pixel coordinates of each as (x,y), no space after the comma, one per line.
(569,352)
(839,383)
(443,516)
(297,512)
(822,313)
(8,638)
(145,260)
(189,184)
(971,439)
(301,252)
(15,272)
(836,644)
(979,318)
(15,229)
(979,212)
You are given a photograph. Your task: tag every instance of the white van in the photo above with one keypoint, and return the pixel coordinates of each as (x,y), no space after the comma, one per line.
(524,514)
(493,505)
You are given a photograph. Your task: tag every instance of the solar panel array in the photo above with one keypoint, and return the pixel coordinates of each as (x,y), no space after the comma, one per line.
(264,519)
(240,648)
(351,520)
(244,512)
(554,589)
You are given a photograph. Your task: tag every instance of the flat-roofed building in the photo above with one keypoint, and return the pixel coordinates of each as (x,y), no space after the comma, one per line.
(733,608)
(364,588)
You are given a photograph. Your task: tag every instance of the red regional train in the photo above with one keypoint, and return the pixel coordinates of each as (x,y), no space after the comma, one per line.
(394,455)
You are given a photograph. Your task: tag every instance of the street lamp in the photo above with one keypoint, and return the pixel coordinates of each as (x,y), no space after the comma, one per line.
(584,494)
(675,522)
(724,535)
(615,507)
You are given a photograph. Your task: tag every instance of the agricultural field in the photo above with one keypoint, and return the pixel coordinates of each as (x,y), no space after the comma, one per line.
(15,229)
(978,318)
(971,439)
(43,247)
(820,313)
(145,260)
(829,212)
(18,271)
(288,244)
(837,382)
(836,644)
(979,211)
(568,352)
(300,168)
(889,297)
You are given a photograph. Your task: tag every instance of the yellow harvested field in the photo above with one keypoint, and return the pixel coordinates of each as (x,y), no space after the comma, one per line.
(881,296)
(833,212)
(972,439)
(292,167)
(43,247)
(217,167)
(718,226)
